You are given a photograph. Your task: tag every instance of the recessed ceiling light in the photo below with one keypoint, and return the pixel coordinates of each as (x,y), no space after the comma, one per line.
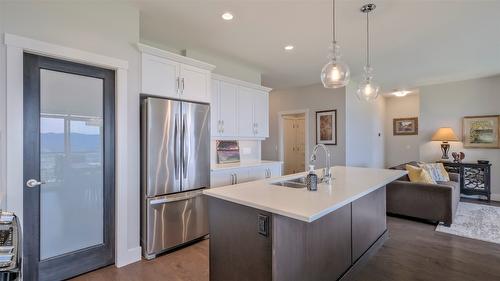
(401,93)
(288,47)
(227,16)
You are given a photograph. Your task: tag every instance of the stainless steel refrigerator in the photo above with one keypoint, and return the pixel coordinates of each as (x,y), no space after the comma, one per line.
(175,168)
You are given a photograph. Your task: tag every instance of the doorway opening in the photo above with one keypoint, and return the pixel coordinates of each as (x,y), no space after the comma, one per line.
(294,148)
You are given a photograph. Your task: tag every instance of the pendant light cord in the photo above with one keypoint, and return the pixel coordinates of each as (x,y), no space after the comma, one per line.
(367,40)
(334,33)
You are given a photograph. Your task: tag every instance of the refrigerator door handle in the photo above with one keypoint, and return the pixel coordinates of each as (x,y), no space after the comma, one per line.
(185,157)
(176,144)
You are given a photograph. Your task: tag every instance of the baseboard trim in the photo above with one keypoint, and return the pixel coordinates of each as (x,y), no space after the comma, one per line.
(495,196)
(133,255)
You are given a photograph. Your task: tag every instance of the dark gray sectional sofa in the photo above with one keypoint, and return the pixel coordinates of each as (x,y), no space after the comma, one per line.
(434,202)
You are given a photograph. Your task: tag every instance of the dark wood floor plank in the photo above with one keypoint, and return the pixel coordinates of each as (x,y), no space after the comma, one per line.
(414,251)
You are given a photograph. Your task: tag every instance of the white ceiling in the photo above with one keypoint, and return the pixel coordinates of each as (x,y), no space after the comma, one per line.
(413,42)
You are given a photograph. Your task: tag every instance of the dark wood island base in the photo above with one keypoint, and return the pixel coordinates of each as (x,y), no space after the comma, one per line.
(251,244)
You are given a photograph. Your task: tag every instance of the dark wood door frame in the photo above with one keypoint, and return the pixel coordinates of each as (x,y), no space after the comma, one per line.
(80,261)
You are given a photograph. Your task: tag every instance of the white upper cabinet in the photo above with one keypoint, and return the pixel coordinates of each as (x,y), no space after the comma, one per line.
(159,76)
(224,109)
(261,114)
(215,129)
(227,109)
(171,75)
(253,113)
(246,124)
(194,83)
(240,110)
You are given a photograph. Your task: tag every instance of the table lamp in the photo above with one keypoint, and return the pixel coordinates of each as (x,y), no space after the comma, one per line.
(445,135)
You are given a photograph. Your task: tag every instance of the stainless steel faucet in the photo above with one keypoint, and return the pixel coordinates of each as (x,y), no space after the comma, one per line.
(327,174)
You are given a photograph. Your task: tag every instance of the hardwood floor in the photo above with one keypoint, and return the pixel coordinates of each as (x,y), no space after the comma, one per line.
(414,251)
(189,263)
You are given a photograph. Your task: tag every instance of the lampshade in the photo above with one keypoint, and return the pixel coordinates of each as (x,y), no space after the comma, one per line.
(444,134)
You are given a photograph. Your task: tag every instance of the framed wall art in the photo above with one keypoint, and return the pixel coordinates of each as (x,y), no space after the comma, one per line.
(326,127)
(405,126)
(481,131)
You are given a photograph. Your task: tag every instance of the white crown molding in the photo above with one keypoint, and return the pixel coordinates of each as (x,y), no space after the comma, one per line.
(143,48)
(61,52)
(240,82)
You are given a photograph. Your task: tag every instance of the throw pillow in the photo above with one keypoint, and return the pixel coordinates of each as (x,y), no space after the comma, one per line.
(436,170)
(419,175)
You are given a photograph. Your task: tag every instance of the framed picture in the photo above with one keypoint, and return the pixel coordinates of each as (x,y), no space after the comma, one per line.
(227,151)
(405,126)
(481,131)
(326,127)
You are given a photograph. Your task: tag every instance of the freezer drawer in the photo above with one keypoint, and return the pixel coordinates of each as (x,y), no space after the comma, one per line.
(175,219)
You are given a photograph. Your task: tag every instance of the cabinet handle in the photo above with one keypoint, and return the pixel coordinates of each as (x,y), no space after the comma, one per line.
(219,126)
(182,82)
(232,179)
(236,178)
(177,84)
(222,128)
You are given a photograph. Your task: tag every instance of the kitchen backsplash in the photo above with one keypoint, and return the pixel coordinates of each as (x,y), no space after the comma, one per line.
(249,151)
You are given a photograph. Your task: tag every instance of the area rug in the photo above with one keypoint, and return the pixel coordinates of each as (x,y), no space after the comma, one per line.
(476,221)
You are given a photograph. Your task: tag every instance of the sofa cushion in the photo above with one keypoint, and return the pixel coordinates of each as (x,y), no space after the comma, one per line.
(403,167)
(419,175)
(436,170)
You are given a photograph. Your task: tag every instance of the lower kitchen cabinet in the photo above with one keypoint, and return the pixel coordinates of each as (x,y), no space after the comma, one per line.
(228,177)
(223,177)
(259,245)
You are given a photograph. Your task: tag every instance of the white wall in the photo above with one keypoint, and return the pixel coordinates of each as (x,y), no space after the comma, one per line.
(444,105)
(315,98)
(227,67)
(364,130)
(109,29)
(401,149)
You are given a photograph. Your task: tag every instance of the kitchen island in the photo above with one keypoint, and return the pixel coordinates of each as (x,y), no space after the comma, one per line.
(264,231)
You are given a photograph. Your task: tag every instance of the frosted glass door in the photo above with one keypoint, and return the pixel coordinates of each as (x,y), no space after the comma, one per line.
(71,163)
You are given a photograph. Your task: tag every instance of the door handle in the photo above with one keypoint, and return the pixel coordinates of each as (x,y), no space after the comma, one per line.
(33,183)
(176,159)
(186,153)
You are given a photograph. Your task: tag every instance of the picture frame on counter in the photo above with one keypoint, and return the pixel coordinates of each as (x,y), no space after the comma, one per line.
(326,127)
(228,151)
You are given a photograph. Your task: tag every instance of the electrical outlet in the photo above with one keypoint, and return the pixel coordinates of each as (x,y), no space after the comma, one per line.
(263,222)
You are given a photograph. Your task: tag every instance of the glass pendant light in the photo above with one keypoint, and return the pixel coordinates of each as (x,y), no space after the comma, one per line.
(368,90)
(336,73)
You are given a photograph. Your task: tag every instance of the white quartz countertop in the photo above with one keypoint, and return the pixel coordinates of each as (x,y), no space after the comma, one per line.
(349,184)
(217,167)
